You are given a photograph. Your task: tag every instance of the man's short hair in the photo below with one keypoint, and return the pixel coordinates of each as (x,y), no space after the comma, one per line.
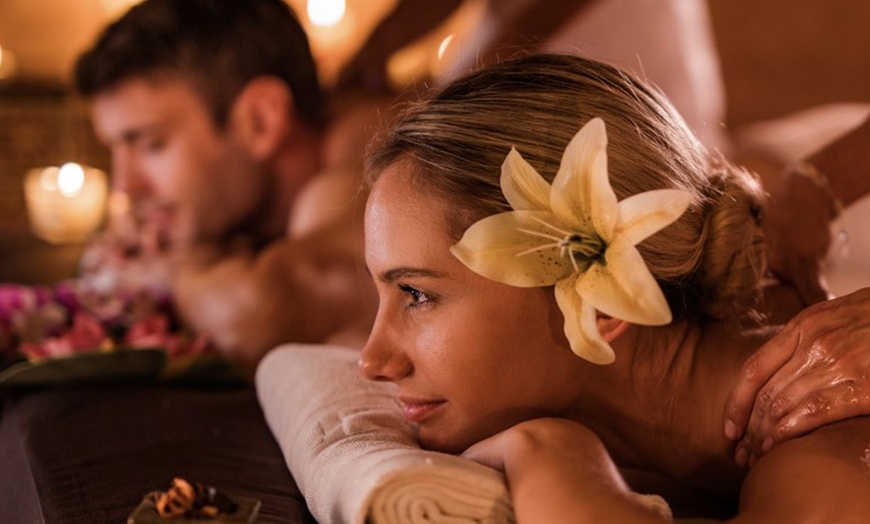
(220,45)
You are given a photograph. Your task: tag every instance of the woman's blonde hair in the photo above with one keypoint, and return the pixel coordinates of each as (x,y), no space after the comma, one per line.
(708,262)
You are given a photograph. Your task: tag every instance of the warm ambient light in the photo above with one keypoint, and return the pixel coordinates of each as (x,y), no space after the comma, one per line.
(70,179)
(442,48)
(116,8)
(65,204)
(326,13)
(7,63)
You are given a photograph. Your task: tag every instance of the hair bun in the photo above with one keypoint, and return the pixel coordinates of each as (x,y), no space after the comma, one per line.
(732,263)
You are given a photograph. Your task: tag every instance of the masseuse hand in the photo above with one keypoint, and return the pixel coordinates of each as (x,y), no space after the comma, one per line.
(797,233)
(815,371)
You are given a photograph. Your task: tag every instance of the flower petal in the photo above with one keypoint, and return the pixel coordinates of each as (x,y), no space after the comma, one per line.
(624,288)
(643,214)
(602,205)
(498,248)
(522,186)
(571,195)
(580,327)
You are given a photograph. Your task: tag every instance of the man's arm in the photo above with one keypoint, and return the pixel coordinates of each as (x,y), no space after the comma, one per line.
(805,199)
(410,20)
(846,163)
(525,27)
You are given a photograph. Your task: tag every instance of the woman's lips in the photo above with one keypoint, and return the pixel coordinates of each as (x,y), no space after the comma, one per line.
(417,410)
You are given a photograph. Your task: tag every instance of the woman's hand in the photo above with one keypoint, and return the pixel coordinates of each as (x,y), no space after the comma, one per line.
(814,372)
(559,471)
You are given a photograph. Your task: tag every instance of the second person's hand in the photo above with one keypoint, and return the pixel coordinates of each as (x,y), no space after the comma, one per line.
(814,372)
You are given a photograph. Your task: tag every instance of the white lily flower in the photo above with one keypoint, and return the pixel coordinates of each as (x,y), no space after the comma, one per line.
(576,236)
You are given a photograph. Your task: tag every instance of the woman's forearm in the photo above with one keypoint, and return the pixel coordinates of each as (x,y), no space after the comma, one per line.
(559,471)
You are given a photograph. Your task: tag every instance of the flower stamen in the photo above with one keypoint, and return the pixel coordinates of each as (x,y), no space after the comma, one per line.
(540,234)
(583,247)
(562,232)
(539,248)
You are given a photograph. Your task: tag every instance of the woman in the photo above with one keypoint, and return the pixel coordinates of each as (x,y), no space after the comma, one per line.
(557,333)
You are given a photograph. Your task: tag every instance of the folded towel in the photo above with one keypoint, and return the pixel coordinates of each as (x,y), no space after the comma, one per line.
(353,454)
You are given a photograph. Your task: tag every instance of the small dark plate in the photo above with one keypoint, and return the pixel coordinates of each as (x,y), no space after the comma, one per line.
(247,511)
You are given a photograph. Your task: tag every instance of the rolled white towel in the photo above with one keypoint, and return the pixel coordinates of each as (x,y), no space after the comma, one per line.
(354,456)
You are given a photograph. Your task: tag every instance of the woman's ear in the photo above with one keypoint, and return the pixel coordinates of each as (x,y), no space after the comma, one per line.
(262,115)
(611,328)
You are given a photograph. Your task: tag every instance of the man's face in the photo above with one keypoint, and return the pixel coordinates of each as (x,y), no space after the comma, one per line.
(186,178)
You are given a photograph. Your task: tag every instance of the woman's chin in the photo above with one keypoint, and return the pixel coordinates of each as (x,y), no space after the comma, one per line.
(441,443)
(445,442)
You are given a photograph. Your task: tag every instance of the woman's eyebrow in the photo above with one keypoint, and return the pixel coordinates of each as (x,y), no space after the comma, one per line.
(408,272)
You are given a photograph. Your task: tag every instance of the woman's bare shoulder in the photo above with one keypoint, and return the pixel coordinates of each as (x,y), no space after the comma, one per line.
(821,477)
(779,302)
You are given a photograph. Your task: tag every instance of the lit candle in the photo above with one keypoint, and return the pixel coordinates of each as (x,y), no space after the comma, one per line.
(326,13)
(65,204)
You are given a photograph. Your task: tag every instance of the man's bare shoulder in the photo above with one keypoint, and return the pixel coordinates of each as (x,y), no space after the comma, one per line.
(334,195)
(821,477)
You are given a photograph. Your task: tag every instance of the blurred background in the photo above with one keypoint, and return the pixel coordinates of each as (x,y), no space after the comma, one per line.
(778,57)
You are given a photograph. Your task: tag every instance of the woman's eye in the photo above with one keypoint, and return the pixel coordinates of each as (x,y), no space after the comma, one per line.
(418,298)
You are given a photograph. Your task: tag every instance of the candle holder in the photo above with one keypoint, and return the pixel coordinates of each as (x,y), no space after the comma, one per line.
(65,204)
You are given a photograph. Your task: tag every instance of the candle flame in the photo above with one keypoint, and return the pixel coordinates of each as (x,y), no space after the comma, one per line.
(70,179)
(326,13)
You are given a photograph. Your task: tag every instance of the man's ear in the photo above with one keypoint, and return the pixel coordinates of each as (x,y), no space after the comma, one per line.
(611,328)
(262,115)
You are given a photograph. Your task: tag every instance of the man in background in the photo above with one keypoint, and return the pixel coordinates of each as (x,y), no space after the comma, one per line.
(216,125)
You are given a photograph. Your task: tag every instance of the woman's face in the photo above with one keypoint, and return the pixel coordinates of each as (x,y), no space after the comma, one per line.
(469,356)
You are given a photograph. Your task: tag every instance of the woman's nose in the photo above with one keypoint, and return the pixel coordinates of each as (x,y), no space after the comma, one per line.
(381,359)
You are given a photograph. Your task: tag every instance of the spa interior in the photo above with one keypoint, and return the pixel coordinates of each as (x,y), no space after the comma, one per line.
(98,435)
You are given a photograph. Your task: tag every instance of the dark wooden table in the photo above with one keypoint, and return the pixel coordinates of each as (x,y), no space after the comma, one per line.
(89,454)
